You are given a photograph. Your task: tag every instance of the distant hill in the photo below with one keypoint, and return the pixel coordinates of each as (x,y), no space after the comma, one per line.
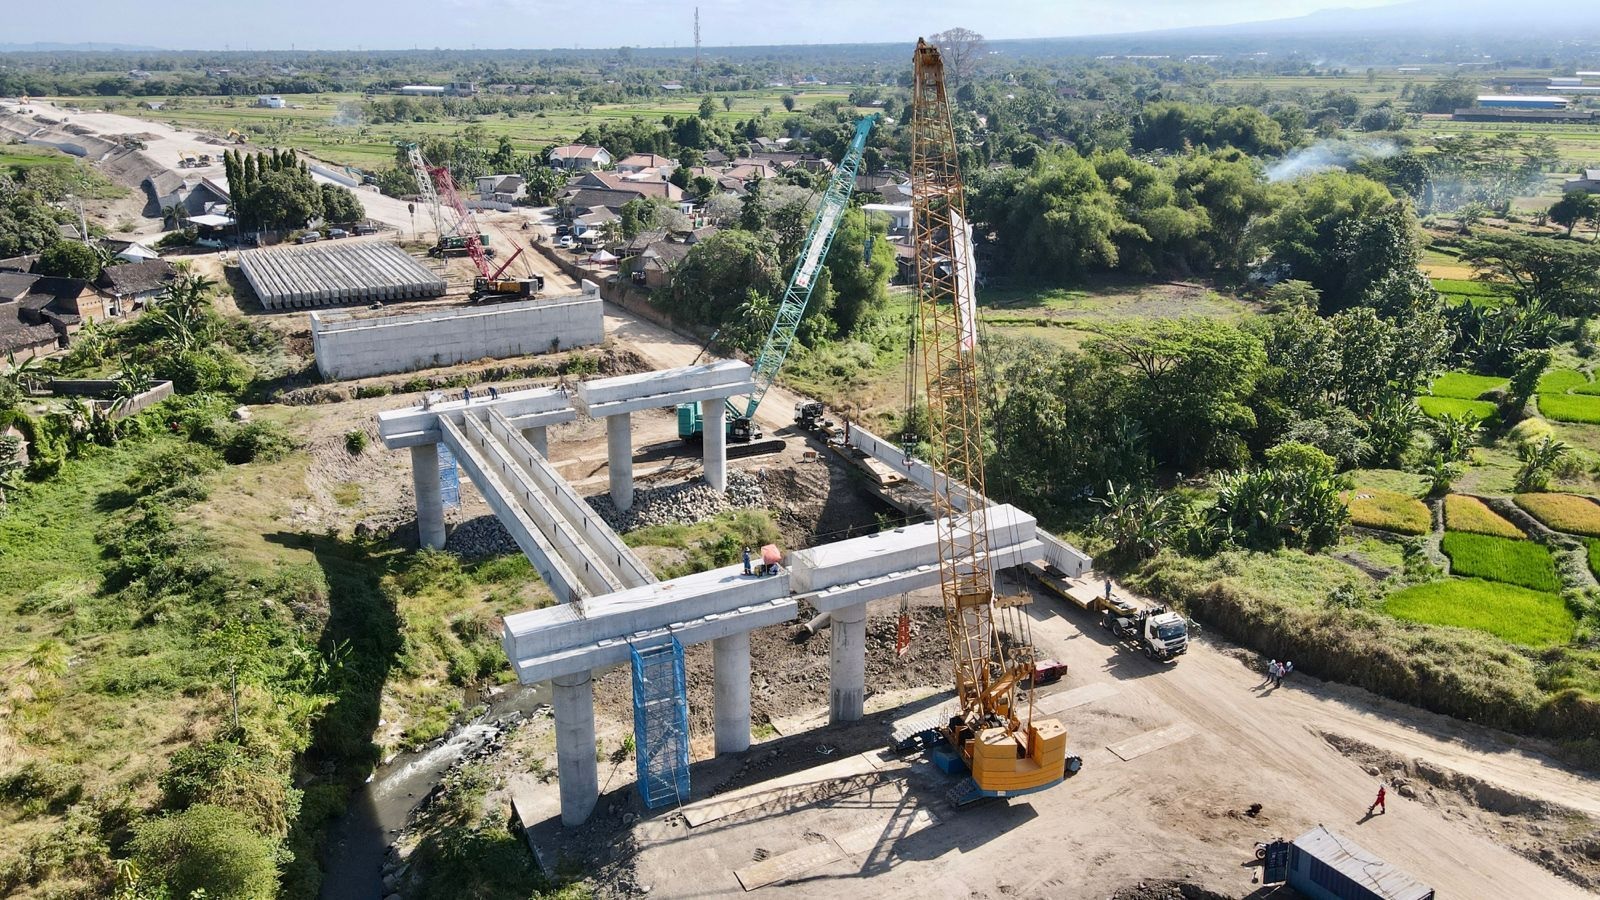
(1418,17)
(86,47)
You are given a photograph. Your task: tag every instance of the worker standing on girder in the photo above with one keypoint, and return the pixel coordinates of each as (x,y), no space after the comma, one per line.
(747,561)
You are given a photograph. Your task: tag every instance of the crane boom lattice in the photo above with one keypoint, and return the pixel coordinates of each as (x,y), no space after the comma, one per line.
(819,237)
(1006,750)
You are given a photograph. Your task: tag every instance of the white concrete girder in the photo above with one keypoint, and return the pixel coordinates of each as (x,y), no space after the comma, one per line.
(667,387)
(529,408)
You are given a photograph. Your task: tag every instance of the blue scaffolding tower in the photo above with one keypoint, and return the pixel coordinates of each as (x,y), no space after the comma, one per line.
(449,479)
(661,723)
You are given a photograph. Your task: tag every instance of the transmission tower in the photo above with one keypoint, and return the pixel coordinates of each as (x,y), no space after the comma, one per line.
(697,38)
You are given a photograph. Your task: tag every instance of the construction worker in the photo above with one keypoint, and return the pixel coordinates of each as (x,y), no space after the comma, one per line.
(1108,590)
(1378,803)
(747,562)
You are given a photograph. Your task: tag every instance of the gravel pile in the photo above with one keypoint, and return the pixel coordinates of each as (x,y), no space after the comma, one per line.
(479,537)
(676,504)
(681,504)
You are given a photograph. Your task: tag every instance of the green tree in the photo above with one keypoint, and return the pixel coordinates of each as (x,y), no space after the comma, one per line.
(69,259)
(1191,378)
(788,102)
(286,198)
(207,848)
(1313,232)
(860,263)
(707,108)
(1561,274)
(340,206)
(1056,219)
(719,274)
(1539,459)
(1574,208)
(639,215)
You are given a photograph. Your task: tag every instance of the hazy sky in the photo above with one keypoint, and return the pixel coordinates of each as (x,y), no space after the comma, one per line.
(539,24)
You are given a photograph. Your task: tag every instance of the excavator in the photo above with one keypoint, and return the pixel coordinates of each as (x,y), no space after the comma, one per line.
(995,737)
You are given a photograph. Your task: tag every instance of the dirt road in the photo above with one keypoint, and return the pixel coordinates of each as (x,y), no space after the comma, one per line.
(1176,812)
(165,144)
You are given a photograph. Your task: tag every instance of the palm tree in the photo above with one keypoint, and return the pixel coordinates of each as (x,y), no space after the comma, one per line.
(173,214)
(1539,459)
(20,373)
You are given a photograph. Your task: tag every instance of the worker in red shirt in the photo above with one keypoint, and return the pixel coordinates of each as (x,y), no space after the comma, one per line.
(1378,803)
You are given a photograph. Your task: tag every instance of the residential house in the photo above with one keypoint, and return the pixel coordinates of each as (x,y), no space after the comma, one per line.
(750,171)
(583,201)
(501,188)
(192,195)
(715,158)
(132,286)
(580,157)
(656,263)
(642,187)
(19,263)
(38,312)
(127,251)
(899,215)
(272,101)
(647,164)
(1588,182)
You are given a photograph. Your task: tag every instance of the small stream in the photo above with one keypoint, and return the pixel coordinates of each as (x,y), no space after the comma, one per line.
(359,840)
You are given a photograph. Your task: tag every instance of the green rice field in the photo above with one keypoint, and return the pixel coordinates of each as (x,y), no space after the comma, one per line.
(1516,614)
(1501,559)
(1465,386)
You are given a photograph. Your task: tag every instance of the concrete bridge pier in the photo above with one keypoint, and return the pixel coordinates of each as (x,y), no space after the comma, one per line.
(619,459)
(576,769)
(539,437)
(847,656)
(430,506)
(714,442)
(731,659)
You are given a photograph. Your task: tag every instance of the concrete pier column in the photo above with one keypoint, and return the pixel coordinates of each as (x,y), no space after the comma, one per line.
(714,442)
(538,436)
(619,459)
(430,506)
(576,769)
(847,673)
(731,657)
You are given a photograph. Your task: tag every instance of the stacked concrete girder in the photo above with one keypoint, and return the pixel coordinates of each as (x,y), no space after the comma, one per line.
(615,399)
(418,428)
(722,606)
(337,273)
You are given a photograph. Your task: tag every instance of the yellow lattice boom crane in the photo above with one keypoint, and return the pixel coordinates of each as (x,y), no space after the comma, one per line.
(1005,749)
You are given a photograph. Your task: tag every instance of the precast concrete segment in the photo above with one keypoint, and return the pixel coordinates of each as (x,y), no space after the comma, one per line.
(605,546)
(430,505)
(847,664)
(538,438)
(562,581)
(731,658)
(666,387)
(521,490)
(902,549)
(526,408)
(714,443)
(612,617)
(696,608)
(335,273)
(619,459)
(360,347)
(577,770)
(1058,553)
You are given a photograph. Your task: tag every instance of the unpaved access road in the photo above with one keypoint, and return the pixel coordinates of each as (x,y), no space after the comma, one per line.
(1176,812)
(165,144)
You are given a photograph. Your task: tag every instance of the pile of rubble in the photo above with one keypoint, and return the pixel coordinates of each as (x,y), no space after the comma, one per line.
(479,537)
(681,504)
